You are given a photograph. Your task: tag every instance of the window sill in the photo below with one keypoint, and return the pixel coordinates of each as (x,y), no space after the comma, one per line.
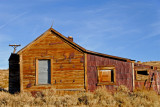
(43,84)
(107,83)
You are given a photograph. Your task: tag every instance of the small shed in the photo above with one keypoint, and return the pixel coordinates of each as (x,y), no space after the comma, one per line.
(53,60)
(146,77)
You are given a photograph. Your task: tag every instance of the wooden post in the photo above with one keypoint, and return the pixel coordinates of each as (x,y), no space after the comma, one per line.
(21,73)
(14,46)
(133,75)
(85,66)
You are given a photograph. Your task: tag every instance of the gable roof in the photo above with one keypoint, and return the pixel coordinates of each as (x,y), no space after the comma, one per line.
(75,45)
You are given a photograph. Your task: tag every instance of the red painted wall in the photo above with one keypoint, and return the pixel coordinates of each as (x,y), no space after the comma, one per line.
(123,72)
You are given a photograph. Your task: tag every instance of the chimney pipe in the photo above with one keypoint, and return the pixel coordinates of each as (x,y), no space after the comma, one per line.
(70,38)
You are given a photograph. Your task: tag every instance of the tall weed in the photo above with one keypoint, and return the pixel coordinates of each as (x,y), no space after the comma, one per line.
(99,98)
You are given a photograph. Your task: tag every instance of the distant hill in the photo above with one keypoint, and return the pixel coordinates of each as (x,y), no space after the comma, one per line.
(153,63)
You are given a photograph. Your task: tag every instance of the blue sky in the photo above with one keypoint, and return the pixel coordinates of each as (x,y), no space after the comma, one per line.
(125,28)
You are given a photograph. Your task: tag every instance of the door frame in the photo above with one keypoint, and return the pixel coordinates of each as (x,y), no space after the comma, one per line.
(51,62)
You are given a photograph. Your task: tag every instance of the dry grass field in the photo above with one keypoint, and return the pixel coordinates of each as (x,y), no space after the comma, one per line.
(4,79)
(100,98)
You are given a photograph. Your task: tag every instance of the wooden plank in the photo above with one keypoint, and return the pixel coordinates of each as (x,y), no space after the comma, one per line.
(68,87)
(59,72)
(61,77)
(29,73)
(36,71)
(69,71)
(133,76)
(85,70)
(69,81)
(51,70)
(70,74)
(63,69)
(57,80)
(52,51)
(56,86)
(69,84)
(21,73)
(29,78)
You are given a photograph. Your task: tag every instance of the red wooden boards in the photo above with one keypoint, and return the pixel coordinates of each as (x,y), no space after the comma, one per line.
(123,72)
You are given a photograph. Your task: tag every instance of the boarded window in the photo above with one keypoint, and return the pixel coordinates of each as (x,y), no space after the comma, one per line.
(44,72)
(106,74)
(142,75)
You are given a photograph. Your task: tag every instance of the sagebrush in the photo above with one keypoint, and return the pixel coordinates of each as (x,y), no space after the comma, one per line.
(100,98)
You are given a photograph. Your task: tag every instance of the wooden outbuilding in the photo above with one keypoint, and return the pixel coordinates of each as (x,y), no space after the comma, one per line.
(146,77)
(53,60)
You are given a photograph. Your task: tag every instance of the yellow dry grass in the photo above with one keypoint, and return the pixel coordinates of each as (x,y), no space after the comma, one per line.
(4,78)
(100,98)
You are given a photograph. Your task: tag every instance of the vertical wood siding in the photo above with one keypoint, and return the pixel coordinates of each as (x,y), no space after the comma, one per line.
(153,83)
(68,66)
(123,72)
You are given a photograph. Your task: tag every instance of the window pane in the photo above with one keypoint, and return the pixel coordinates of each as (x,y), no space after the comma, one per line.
(105,75)
(44,72)
(142,72)
(142,75)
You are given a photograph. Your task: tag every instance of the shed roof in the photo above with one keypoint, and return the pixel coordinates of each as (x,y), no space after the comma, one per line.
(75,45)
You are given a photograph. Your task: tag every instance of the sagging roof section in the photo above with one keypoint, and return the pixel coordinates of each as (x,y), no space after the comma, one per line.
(75,45)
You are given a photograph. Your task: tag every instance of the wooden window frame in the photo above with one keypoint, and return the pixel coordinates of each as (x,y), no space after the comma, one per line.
(51,61)
(107,68)
(141,70)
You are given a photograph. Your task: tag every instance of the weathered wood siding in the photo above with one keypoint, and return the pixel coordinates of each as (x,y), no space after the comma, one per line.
(67,63)
(14,74)
(123,72)
(153,81)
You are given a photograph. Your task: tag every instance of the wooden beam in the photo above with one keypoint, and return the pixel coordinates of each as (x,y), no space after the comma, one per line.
(85,67)
(15,47)
(36,72)
(133,76)
(51,59)
(21,73)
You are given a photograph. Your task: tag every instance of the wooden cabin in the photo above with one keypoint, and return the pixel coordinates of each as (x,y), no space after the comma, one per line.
(146,77)
(53,60)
